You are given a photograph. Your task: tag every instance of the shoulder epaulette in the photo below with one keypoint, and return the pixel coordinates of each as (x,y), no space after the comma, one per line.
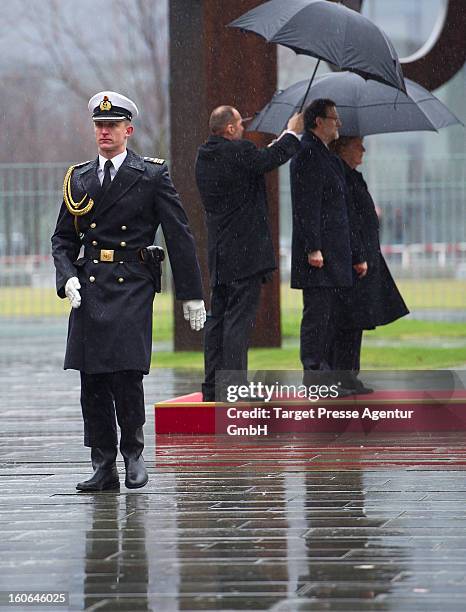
(82,163)
(155,160)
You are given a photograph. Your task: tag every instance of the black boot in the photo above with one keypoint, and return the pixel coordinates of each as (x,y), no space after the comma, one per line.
(105,475)
(131,447)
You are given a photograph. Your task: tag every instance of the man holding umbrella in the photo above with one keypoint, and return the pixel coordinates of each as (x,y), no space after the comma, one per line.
(230,178)
(322,253)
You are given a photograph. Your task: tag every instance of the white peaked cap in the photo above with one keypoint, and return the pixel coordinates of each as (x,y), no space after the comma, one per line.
(112,106)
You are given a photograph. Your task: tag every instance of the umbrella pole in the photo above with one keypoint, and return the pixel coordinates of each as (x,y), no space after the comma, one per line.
(309,87)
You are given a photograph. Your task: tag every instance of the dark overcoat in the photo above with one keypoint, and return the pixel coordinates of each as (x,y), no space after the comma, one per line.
(230,179)
(374,299)
(112,329)
(320,218)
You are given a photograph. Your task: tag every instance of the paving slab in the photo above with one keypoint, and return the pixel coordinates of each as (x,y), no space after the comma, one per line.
(290,522)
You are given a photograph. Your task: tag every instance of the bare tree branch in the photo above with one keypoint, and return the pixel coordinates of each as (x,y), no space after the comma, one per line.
(130,55)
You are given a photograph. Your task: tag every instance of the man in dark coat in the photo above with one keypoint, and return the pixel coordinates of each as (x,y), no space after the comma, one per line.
(374,299)
(112,208)
(230,178)
(323,255)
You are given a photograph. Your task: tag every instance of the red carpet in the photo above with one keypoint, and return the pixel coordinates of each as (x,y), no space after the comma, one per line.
(382,411)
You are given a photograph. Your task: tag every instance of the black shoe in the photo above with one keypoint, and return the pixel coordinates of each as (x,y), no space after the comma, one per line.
(136,473)
(344,392)
(105,475)
(360,388)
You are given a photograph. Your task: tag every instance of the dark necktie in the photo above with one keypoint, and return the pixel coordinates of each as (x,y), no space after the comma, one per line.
(107,178)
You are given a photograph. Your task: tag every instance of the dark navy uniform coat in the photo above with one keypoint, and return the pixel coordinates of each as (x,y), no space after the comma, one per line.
(112,329)
(230,178)
(374,299)
(320,218)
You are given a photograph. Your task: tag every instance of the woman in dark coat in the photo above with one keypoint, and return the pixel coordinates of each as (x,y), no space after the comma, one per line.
(374,299)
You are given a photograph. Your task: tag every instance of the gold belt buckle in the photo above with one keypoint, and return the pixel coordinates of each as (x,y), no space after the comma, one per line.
(106,254)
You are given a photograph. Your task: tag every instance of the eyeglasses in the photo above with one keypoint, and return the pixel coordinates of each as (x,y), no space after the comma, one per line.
(332,117)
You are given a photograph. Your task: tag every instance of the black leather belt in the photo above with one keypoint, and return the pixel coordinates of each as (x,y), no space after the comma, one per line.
(110,255)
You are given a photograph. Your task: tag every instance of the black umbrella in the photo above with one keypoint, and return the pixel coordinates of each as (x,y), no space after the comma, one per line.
(364,107)
(329,32)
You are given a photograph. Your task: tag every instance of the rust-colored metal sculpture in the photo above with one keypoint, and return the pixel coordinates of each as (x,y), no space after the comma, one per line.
(443,54)
(210,65)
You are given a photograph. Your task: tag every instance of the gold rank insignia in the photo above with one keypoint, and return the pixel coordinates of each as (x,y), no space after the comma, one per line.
(105,105)
(155,160)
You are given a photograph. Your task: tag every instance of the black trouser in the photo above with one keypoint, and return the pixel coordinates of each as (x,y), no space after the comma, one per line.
(228,329)
(104,394)
(322,311)
(345,354)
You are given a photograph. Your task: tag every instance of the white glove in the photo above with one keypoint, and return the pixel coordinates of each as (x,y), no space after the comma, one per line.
(194,312)
(72,293)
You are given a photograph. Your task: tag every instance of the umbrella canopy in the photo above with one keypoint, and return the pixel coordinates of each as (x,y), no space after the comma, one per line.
(365,107)
(329,32)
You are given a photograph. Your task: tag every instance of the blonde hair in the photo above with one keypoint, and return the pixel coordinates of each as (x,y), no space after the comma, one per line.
(340,143)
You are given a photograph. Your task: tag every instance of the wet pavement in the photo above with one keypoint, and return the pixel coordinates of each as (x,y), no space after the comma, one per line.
(285,523)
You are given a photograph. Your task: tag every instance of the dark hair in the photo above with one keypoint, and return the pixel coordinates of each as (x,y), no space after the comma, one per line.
(220,118)
(317,108)
(340,143)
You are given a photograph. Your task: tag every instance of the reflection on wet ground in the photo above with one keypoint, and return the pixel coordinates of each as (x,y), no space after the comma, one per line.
(303,522)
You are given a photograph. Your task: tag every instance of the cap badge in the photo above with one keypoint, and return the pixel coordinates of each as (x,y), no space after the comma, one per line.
(105,105)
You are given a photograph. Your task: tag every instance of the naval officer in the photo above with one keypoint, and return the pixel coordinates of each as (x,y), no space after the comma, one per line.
(111,210)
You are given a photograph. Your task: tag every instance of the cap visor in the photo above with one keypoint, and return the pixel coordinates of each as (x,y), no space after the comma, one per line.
(111,118)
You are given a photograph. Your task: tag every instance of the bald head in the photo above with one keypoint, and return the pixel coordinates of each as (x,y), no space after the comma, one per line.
(227,122)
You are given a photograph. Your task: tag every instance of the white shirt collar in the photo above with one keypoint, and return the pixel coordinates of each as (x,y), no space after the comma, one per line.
(116,161)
